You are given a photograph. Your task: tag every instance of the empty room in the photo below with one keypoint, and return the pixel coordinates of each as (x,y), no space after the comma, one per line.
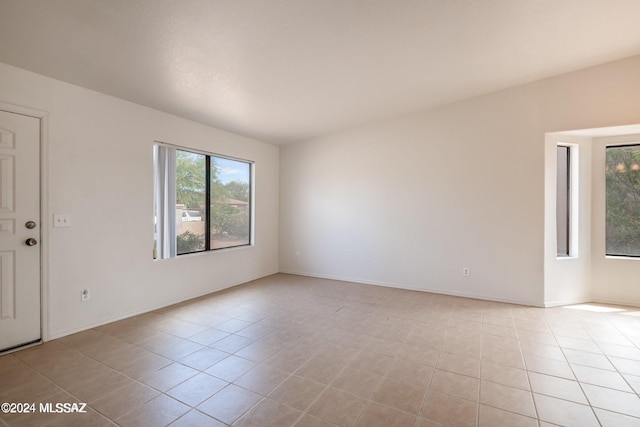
(320,213)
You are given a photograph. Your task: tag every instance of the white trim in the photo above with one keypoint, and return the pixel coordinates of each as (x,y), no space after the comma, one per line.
(624,302)
(561,303)
(43,116)
(206,153)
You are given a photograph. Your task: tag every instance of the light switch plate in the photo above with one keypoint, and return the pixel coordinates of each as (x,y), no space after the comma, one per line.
(60,220)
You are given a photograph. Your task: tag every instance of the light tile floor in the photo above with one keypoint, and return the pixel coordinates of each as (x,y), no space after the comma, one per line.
(289,350)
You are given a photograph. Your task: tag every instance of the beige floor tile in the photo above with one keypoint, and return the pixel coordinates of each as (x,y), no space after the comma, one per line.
(415,374)
(372,362)
(455,384)
(336,353)
(262,379)
(159,411)
(179,328)
(613,419)
(128,398)
(459,365)
(297,392)
(232,343)
(624,352)
(425,422)
(507,398)
(500,331)
(551,367)
(504,375)
(494,417)
(613,400)
(269,413)
(203,359)
(288,361)
(170,346)
(319,370)
(376,415)
(345,342)
(35,389)
(168,377)
(542,350)
(418,355)
(513,359)
(197,389)
(259,351)
(501,343)
(229,403)
(338,407)
(311,421)
(538,337)
(399,395)
(233,325)
(557,387)
(633,381)
(586,345)
(449,410)
(564,413)
(462,348)
(124,356)
(601,377)
(585,358)
(86,389)
(195,418)
(230,368)
(208,336)
(626,366)
(89,418)
(358,382)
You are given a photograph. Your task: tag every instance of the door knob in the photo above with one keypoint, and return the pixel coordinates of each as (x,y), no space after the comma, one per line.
(30,225)
(31,241)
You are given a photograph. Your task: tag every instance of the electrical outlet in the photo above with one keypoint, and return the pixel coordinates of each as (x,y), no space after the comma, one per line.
(85,295)
(298,256)
(466,272)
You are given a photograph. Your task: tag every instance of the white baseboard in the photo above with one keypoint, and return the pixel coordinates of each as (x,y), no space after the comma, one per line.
(614,301)
(560,303)
(59,334)
(413,288)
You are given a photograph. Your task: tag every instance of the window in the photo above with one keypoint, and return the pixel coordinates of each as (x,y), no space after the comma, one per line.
(202,202)
(563,200)
(622,171)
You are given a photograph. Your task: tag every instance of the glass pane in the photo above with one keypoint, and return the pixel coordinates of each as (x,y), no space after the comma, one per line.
(190,201)
(562,202)
(623,200)
(230,203)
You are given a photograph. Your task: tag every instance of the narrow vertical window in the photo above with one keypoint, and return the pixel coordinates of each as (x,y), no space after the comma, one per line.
(202,202)
(563,201)
(622,171)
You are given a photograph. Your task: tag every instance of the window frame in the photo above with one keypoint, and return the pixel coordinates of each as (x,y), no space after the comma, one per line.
(170,231)
(567,201)
(611,144)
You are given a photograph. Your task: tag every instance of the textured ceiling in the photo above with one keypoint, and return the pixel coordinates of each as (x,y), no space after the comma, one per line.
(288,70)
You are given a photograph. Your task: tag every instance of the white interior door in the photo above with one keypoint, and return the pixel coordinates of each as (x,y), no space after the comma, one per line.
(19,230)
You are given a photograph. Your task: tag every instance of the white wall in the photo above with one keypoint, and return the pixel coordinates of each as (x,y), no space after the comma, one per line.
(567,280)
(412,201)
(100,172)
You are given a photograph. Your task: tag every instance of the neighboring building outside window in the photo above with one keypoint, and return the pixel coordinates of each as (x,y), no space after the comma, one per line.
(202,202)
